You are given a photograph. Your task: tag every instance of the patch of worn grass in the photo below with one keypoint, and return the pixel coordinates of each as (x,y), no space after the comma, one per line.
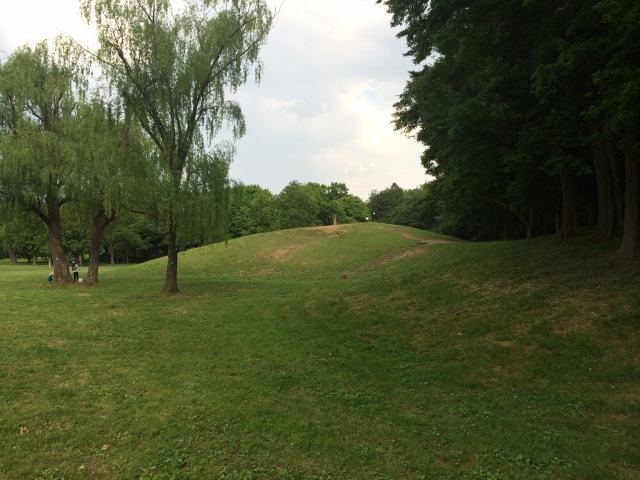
(473,361)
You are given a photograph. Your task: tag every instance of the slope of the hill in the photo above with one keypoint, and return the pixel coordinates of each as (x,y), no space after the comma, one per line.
(365,351)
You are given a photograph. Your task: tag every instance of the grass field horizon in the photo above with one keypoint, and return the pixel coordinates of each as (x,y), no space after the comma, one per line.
(360,351)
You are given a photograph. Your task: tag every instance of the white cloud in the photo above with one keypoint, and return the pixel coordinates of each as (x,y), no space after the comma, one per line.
(30,21)
(333,69)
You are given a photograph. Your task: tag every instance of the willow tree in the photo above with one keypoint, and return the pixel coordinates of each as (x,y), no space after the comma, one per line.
(107,169)
(39,96)
(174,71)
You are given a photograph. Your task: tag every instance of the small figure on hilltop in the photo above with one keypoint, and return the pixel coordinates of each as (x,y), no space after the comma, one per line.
(75,269)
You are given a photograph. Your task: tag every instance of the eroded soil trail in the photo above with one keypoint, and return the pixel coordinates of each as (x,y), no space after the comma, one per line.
(420,248)
(420,240)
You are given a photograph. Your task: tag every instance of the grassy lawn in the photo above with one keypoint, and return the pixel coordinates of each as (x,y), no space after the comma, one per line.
(350,353)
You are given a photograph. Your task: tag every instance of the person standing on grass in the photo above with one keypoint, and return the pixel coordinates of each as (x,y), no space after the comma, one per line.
(75,269)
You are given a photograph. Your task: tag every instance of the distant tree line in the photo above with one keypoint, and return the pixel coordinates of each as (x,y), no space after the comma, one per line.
(135,237)
(256,210)
(530,114)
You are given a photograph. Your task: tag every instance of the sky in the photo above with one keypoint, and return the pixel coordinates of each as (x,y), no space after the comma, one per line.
(323,111)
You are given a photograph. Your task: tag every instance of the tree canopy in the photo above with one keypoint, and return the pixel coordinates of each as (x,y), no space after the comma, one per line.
(526,110)
(174,70)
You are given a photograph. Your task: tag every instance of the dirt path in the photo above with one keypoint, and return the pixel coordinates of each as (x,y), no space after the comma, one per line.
(422,241)
(420,248)
(419,240)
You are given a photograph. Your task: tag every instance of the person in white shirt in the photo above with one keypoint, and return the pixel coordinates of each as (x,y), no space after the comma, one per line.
(75,269)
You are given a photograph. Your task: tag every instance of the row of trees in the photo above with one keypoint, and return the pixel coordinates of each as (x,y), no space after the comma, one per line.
(529,112)
(136,237)
(418,207)
(256,210)
(131,237)
(144,141)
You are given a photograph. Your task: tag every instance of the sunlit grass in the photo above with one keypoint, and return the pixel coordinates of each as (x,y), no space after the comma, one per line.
(328,354)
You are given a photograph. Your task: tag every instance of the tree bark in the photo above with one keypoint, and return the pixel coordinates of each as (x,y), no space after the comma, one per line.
(100,222)
(171,278)
(630,245)
(604,186)
(34,259)
(13,258)
(616,185)
(61,273)
(112,256)
(529,224)
(569,206)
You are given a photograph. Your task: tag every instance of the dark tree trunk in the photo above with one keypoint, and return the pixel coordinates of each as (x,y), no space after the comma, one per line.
(112,255)
(630,245)
(569,206)
(171,278)
(616,185)
(604,184)
(13,258)
(100,222)
(529,224)
(61,273)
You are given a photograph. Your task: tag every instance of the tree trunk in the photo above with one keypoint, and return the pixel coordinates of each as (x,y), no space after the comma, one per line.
(13,258)
(616,185)
(100,222)
(529,224)
(606,212)
(171,278)
(569,223)
(112,256)
(527,221)
(34,260)
(630,245)
(61,273)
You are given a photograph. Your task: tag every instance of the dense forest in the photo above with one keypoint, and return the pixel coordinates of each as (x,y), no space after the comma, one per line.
(529,112)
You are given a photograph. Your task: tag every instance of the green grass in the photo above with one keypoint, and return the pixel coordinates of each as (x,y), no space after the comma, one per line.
(328,354)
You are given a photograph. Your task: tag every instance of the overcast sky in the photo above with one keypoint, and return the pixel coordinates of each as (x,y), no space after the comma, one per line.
(333,69)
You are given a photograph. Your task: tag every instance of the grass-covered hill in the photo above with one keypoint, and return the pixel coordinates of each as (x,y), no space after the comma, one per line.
(356,352)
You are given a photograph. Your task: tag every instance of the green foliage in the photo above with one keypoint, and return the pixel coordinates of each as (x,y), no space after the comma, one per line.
(253,210)
(174,70)
(302,205)
(23,235)
(514,101)
(39,100)
(419,208)
(257,210)
(384,204)
(133,237)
